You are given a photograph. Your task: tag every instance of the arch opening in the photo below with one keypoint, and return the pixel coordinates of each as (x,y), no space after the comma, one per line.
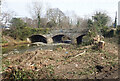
(38,38)
(61,39)
(79,39)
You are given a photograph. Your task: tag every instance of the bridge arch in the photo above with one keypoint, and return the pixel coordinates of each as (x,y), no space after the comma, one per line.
(79,39)
(38,38)
(60,38)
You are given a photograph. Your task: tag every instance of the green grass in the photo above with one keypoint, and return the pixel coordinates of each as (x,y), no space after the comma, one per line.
(4,41)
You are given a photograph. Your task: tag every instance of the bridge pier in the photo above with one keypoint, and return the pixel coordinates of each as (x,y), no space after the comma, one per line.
(49,40)
(73,41)
(28,40)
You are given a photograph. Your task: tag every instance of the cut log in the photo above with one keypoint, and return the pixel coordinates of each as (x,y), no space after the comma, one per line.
(101,44)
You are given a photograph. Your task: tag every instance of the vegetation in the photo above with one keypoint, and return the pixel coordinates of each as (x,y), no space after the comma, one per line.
(20,31)
(73,61)
(21,28)
(61,63)
(99,23)
(4,41)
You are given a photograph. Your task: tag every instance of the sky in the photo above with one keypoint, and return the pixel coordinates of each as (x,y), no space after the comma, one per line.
(83,8)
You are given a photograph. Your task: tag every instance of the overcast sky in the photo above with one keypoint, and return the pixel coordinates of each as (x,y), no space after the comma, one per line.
(83,8)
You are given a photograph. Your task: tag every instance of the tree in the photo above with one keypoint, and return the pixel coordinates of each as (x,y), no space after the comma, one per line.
(83,24)
(43,22)
(100,20)
(115,22)
(74,19)
(65,22)
(17,26)
(90,23)
(30,22)
(55,15)
(36,10)
(79,22)
(17,23)
(51,24)
(6,16)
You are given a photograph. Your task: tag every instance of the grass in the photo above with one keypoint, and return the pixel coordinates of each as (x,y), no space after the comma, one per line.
(18,74)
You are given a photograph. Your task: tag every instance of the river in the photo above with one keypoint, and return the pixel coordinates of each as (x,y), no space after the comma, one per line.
(19,49)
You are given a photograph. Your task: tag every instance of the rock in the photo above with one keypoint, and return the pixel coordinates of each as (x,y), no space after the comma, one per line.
(15,49)
(76,65)
(12,52)
(16,52)
(102,58)
(5,55)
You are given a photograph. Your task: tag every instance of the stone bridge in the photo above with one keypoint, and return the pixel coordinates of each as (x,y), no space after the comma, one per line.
(60,36)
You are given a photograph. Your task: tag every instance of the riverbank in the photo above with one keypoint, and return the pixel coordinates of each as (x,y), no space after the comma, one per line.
(15,43)
(64,62)
(9,41)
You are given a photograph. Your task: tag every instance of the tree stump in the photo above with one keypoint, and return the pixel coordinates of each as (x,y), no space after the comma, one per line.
(101,44)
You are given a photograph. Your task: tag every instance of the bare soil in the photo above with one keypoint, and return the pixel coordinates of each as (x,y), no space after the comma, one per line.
(68,62)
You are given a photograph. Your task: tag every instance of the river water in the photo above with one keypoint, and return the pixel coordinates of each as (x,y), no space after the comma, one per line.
(19,49)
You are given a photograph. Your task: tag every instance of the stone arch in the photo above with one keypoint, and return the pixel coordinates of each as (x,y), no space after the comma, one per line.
(38,38)
(60,38)
(79,39)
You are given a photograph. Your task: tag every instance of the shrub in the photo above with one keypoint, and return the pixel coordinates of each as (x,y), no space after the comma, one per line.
(87,40)
(22,34)
(109,33)
(19,30)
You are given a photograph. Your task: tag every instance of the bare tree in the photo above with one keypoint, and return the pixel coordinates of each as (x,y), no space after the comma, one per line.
(55,15)
(79,21)
(6,13)
(6,17)
(36,9)
(84,24)
(43,22)
(30,22)
(73,18)
(65,22)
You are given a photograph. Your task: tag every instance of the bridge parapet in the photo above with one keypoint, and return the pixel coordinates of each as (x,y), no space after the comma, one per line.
(69,31)
(73,33)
